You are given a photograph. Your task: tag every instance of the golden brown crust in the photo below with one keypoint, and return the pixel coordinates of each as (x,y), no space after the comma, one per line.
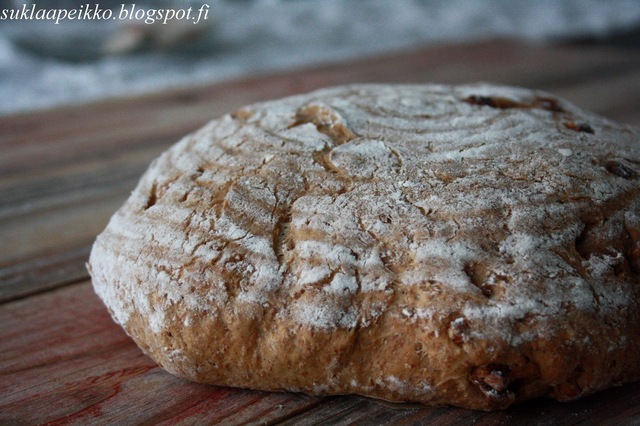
(471,245)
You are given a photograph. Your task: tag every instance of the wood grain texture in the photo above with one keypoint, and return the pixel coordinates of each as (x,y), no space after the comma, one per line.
(64,171)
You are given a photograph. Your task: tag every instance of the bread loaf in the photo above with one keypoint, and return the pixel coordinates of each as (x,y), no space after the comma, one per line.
(467,245)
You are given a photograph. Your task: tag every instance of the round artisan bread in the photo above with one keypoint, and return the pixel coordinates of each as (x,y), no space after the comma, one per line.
(468,245)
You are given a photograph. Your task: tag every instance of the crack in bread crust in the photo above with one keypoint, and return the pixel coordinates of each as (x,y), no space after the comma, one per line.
(469,245)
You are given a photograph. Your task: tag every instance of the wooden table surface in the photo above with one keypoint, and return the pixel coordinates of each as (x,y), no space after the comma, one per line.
(63,172)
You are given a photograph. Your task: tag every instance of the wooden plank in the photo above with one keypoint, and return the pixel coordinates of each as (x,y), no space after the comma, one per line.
(351,410)
(66,207)
(614,406)
(48,271)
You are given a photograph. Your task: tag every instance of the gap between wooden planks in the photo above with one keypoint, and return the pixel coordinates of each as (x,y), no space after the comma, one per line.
(63,172)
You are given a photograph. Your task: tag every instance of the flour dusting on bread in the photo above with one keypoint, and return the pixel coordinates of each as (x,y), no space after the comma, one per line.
(471,245)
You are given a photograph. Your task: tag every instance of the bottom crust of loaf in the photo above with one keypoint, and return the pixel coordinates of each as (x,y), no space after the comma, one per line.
(395,361)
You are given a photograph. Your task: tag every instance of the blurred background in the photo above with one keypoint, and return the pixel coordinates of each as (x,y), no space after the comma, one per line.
(43,64)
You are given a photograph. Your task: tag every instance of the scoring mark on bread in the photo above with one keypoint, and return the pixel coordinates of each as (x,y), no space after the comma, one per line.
(282,242)
(619,169)
(153,197)
(477,273)
(579,127)
(159,189)
(327,120)
(498,102)
(609,240)
(242,114)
